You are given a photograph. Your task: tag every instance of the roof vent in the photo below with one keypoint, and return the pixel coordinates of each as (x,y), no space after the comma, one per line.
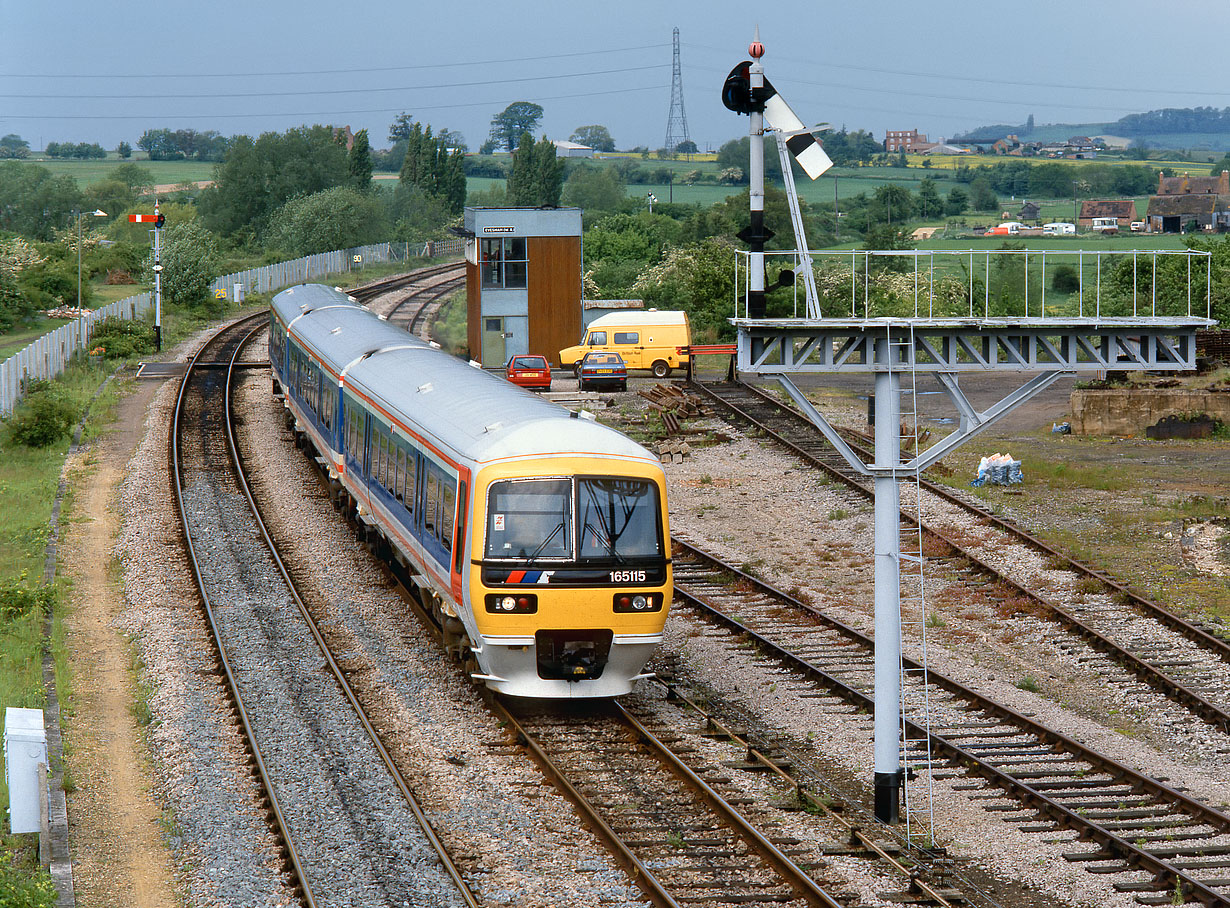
(337,330)
(434,345)
(585,414)
(423,389)
(476,364)
(495,426)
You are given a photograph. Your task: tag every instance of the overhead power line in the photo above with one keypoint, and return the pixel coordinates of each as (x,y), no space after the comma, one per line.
(327,91)
(319,113)
(985,80)
(94,76)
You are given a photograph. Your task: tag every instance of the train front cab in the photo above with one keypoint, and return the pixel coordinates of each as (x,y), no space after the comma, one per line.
(570,576)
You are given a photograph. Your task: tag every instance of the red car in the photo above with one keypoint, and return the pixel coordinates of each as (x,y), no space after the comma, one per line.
(529,371)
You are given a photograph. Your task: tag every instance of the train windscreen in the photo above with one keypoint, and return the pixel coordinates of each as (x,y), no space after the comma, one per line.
(618,519)
(533,519)
(530,519)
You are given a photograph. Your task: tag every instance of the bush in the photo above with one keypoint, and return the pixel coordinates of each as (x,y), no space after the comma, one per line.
(24,888)
(1065,279)
(17,598)
(121,338)
(43,418)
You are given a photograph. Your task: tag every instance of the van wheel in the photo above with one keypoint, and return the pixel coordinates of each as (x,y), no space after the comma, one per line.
(661,369)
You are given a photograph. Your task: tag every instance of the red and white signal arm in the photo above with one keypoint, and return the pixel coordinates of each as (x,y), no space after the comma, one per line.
(142,218)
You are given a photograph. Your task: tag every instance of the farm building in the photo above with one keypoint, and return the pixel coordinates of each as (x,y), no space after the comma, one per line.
(1122,210)
(1184,201)
(572,150)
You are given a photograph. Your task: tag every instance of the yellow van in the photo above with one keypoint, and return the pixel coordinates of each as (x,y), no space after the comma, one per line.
(646,339)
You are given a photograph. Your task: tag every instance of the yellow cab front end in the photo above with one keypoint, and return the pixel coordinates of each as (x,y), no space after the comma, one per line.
(570,575)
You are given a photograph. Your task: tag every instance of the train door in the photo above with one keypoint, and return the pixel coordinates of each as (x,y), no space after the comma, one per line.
(493,341)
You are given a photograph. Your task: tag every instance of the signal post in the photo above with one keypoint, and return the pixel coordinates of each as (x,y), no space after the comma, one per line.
(158,220)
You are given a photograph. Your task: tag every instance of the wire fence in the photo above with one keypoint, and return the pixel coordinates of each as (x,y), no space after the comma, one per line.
(1013,283)
(49,355)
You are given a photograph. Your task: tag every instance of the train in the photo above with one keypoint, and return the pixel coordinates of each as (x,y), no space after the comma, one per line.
(536,538)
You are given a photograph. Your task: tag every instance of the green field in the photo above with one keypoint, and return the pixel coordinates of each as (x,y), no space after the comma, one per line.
(87,173)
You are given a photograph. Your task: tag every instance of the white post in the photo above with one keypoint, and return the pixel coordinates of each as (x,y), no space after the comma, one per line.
(888,776)
(157,281)
(756,301)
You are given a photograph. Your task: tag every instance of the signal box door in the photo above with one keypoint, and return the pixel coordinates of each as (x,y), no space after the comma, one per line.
(493,341)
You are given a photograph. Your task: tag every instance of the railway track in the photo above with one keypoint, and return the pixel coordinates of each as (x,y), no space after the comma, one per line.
(425,291)
(1164,844)
(350,834)
(1180,660)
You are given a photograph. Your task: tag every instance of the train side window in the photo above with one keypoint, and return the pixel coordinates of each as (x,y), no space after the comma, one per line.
(400,491)
(411,481)
(448,508)
(431,500)
(461,528)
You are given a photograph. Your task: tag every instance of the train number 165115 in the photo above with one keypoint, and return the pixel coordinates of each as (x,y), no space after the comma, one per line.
(627,576)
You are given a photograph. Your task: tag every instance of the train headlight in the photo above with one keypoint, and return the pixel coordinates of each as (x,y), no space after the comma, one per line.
(638,602)
(523,604)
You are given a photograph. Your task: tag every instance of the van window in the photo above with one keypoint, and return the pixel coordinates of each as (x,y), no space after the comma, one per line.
(627,337)
(596,338)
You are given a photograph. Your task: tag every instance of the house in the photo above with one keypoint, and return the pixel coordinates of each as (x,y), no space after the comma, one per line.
(1122,210)
(1029,211)
(910,141)
(1182,201)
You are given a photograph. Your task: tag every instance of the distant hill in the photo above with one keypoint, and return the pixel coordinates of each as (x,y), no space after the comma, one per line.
(1171,127)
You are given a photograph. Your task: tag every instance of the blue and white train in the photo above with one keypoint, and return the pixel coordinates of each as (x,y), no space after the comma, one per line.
(539,540)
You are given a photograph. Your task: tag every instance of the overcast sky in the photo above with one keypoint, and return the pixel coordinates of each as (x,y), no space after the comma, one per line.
(107,71)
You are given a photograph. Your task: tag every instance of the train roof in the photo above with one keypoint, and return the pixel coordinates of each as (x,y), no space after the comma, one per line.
(479,416)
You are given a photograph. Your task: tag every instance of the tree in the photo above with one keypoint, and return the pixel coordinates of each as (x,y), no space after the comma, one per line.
(895,204)
(134,176)
(124,150)
(537,176)
(359,162)
(14,146)
(452,140)
(697,278)
(436,171)
(929,203)
(399,129)
(189,263)
(336,218)
(34,202)
(982,196)
(687,146)
(258,177)
(596,137)
(594,189)
(508,125)
(958,201)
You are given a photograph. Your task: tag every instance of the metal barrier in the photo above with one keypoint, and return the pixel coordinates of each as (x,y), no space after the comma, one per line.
(50,354)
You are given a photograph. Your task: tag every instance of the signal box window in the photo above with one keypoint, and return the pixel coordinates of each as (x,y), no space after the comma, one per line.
(503,264)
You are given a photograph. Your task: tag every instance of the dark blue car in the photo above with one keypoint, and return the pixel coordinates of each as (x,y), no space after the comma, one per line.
(603,370)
